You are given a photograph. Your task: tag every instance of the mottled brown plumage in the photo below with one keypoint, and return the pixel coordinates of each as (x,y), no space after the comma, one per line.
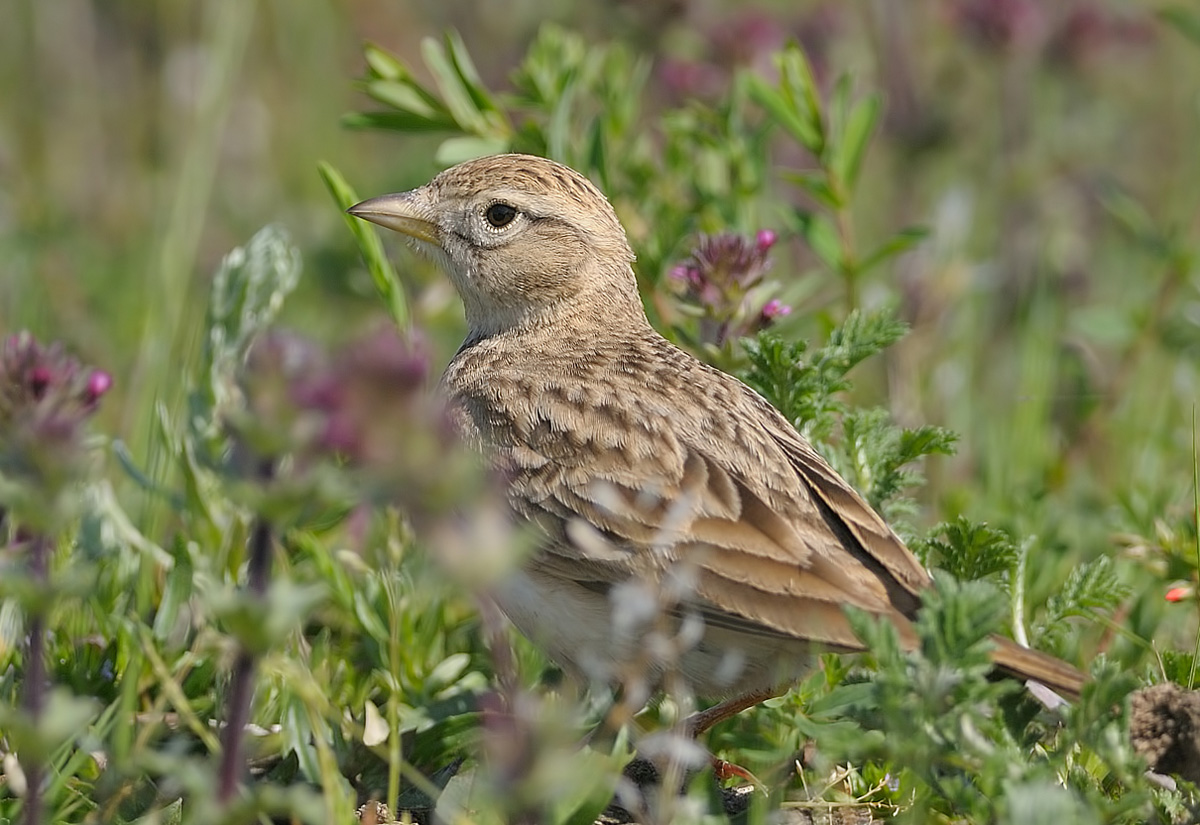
(635,458)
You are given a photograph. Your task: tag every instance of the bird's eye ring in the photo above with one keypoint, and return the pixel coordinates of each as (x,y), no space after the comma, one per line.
(500,214)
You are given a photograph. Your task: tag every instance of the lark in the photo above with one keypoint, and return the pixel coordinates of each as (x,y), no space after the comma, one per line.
(638,463)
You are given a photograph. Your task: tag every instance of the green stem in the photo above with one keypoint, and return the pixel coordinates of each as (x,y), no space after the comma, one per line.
(168,281)
(34,698)
(848,267)
(241,692)
(1196,512)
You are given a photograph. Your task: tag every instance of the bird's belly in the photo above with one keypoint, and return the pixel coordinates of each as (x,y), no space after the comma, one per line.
(577,628)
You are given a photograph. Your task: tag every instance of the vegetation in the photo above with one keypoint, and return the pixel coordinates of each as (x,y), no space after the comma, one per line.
(244,571)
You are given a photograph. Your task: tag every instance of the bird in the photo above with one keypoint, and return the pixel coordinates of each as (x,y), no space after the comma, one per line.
(639,465)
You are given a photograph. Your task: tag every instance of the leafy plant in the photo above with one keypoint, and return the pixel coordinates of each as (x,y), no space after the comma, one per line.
(284,613)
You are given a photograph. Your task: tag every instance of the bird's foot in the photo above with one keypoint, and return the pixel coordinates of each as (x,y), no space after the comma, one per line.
(725,771)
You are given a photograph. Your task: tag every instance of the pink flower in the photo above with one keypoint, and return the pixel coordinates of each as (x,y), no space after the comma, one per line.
(775,308)
(99,382)
(46,399)
(765,239)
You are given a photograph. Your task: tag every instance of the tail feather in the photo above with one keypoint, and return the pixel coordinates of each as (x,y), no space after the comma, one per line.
(1027,664)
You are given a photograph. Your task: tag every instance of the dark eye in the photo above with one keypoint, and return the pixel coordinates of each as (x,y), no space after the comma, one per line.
(500,214)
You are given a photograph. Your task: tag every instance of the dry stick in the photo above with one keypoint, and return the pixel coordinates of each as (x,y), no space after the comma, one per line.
(34,699)
(242,687)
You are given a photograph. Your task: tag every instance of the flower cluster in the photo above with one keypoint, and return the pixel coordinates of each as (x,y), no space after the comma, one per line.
(368,393)
(355,403)
(47,382)
(717,281)
(46,396)
(1070,33)
(748,38)
(1090,31)
(355,424)
(46,399)
(1002,24)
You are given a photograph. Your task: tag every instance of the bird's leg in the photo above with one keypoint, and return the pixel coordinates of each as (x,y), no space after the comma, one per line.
(702,720)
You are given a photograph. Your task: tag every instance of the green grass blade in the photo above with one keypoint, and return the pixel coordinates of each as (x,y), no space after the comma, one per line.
(382,272)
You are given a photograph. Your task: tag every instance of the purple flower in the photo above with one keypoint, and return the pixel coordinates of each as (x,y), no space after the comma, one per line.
(99,382)
(748,38)
(765,239)
(356,403)
(1088,31)
(1002,24)
(690,78)
(722,267)
(46,399)
(771,311)
(775,308)
(282,383)
(717,279)
(31,373)
(371,386)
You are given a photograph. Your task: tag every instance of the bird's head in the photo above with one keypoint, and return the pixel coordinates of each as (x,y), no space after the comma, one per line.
(523,239)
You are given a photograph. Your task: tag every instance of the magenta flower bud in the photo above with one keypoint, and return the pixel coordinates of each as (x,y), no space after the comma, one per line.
(775,308)
(765,239)
(99,382)
(46,397)
(39,380)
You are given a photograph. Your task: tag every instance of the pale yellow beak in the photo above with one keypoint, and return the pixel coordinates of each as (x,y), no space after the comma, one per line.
(400,212)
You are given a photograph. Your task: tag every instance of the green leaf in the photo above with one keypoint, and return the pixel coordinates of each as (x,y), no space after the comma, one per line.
(822,238)
(458,98)
(457,149)
(902,241)
(837,107)
(172,814)
(1131,215)
(130,466)
(875,451)
(784,112)
(592,781)
(297,737)
(396,122)
(469,75)
(247,292)
(176,595)
(1178,666)
(799,87)
(852,145)
(1091,587)
(378,265)
(447,671)
(411,99)
(597,155)
(816,184)
(967,550)
(558,128)
(383,64)
(63,717)
(958,615)
(838,700)
(1184,20)
(862,335)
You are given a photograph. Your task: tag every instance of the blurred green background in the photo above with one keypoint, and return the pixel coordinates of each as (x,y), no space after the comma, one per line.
(1052,150)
